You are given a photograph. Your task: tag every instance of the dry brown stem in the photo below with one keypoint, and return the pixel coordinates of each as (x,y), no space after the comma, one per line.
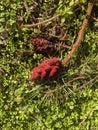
(80,34)
(73,91)
(81,87)
(77,78)
(64,46)
(40,23)
(26,6)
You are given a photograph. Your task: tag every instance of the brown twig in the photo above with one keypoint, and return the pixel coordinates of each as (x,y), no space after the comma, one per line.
(86,84)
(1,71)
(26,6)
(75,90)
(77,78)
(42,22)
(63,45)
(81,87)
(35,2)
(96,19)
(61,87)
(80,34)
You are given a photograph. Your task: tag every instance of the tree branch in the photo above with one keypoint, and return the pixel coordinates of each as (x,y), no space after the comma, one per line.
(80,34)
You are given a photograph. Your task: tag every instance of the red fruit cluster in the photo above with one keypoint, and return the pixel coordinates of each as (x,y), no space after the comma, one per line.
(43,46)
(47,68)
(40,43)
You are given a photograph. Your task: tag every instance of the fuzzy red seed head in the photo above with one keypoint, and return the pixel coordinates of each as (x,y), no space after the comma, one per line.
(35,74)
(48,68)
(43,46)
(54,61)
(54,71)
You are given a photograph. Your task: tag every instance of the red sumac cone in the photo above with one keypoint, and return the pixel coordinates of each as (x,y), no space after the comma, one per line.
(43,45)
(48,68)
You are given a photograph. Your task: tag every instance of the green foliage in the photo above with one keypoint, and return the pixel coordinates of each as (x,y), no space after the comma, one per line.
(68,102)
(68,9)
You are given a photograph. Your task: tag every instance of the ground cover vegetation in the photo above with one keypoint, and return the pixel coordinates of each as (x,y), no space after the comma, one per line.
(31,33)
